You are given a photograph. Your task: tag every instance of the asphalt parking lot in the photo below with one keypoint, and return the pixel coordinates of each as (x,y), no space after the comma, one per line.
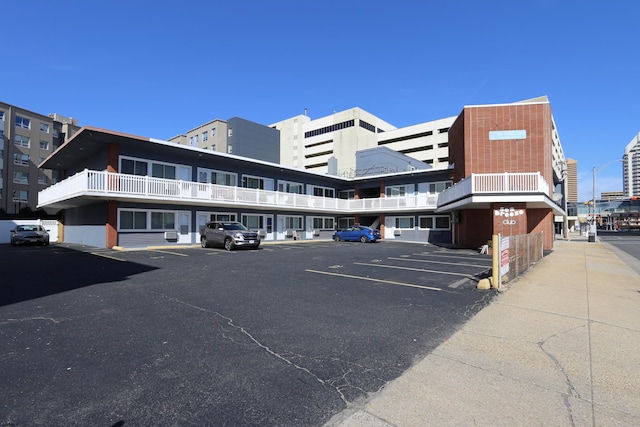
(287,335)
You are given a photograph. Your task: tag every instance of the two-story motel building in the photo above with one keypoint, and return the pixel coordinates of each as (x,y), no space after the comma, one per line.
(128,191)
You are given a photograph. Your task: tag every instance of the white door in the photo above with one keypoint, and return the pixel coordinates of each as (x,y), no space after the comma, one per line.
(184,227)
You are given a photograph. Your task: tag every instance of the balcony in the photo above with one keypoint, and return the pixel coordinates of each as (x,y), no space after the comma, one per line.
(478,191)
(92,186)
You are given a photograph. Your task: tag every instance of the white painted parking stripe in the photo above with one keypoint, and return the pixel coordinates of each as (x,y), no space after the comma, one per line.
(106,256)
(414,269)
(456,257)
(371,279)
(168,252)
(438,262)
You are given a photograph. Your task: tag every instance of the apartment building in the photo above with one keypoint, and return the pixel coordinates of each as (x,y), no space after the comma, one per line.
(235,136)
(631,168)
(28,138)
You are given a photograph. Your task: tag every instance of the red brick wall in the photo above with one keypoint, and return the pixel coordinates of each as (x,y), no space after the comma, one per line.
(475,228)
(541,221)
(457,148)
(471,151)
(532,154)
(507,225)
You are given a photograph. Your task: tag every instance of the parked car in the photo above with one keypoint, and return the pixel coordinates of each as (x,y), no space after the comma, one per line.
(24,234)
(229,235)
(357,233)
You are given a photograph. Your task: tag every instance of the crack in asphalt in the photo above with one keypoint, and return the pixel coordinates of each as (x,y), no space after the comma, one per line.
(339,383)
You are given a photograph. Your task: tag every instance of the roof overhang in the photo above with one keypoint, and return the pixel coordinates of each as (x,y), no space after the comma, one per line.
(486,201)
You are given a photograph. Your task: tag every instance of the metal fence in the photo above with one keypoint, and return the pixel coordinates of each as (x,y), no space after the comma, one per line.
(524,251)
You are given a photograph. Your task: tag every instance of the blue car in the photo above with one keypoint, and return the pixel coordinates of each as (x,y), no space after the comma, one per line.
(357,233)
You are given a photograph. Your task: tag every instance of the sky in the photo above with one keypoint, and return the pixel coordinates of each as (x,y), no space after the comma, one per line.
(159,68)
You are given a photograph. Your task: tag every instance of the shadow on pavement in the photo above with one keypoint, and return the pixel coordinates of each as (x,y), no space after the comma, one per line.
(30,272)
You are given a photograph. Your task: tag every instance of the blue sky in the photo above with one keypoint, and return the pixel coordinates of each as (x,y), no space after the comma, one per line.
(159,68)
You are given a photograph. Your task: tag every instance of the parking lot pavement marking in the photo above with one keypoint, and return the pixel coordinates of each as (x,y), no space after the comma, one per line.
(371,279)
(414,269)
(168,252)
(107,256)
(438,262)
(450,256)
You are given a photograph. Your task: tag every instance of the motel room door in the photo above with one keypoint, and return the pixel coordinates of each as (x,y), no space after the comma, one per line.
(184,227)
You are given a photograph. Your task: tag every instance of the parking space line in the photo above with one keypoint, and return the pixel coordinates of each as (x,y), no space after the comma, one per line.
(371,279)
(438,262)
(106,256)
(414,269)
(457,257)
(167,252)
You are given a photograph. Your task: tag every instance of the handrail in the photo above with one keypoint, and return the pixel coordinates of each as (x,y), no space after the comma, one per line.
(112,185)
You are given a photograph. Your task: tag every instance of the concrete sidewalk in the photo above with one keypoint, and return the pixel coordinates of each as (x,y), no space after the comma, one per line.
(559,347)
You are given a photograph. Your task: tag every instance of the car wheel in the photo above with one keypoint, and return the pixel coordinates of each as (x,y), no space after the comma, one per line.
(228,245)
(203,242)
(363,239)
(336,238)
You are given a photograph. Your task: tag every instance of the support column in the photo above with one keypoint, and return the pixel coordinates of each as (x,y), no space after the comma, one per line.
(112,224)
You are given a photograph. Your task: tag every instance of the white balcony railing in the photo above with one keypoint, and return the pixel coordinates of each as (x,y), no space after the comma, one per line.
(111,185)
(495,183)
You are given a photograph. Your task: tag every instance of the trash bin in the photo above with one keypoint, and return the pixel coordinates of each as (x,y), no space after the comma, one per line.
(592,237)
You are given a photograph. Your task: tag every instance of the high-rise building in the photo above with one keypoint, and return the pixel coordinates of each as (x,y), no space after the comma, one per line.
(631,168)
(27,139)
(572,181)
(329,144)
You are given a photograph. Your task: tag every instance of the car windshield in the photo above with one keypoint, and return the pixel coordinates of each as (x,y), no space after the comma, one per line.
(29,228)
(234,226)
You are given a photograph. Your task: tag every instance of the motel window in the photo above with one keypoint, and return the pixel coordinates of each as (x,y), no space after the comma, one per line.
(439,187)
(438,222)
(347,194)
(44,127)
(293,222)
(44,145)
(222,217)
(252,182)
(133,167)
(323,192)
(205,136)
(290,187)
(395,191)
(43,179)
(224,178)
(346,222)
(163,220)
(323,223)
(161,170)
(133,220)
(253,221)
(405,222)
